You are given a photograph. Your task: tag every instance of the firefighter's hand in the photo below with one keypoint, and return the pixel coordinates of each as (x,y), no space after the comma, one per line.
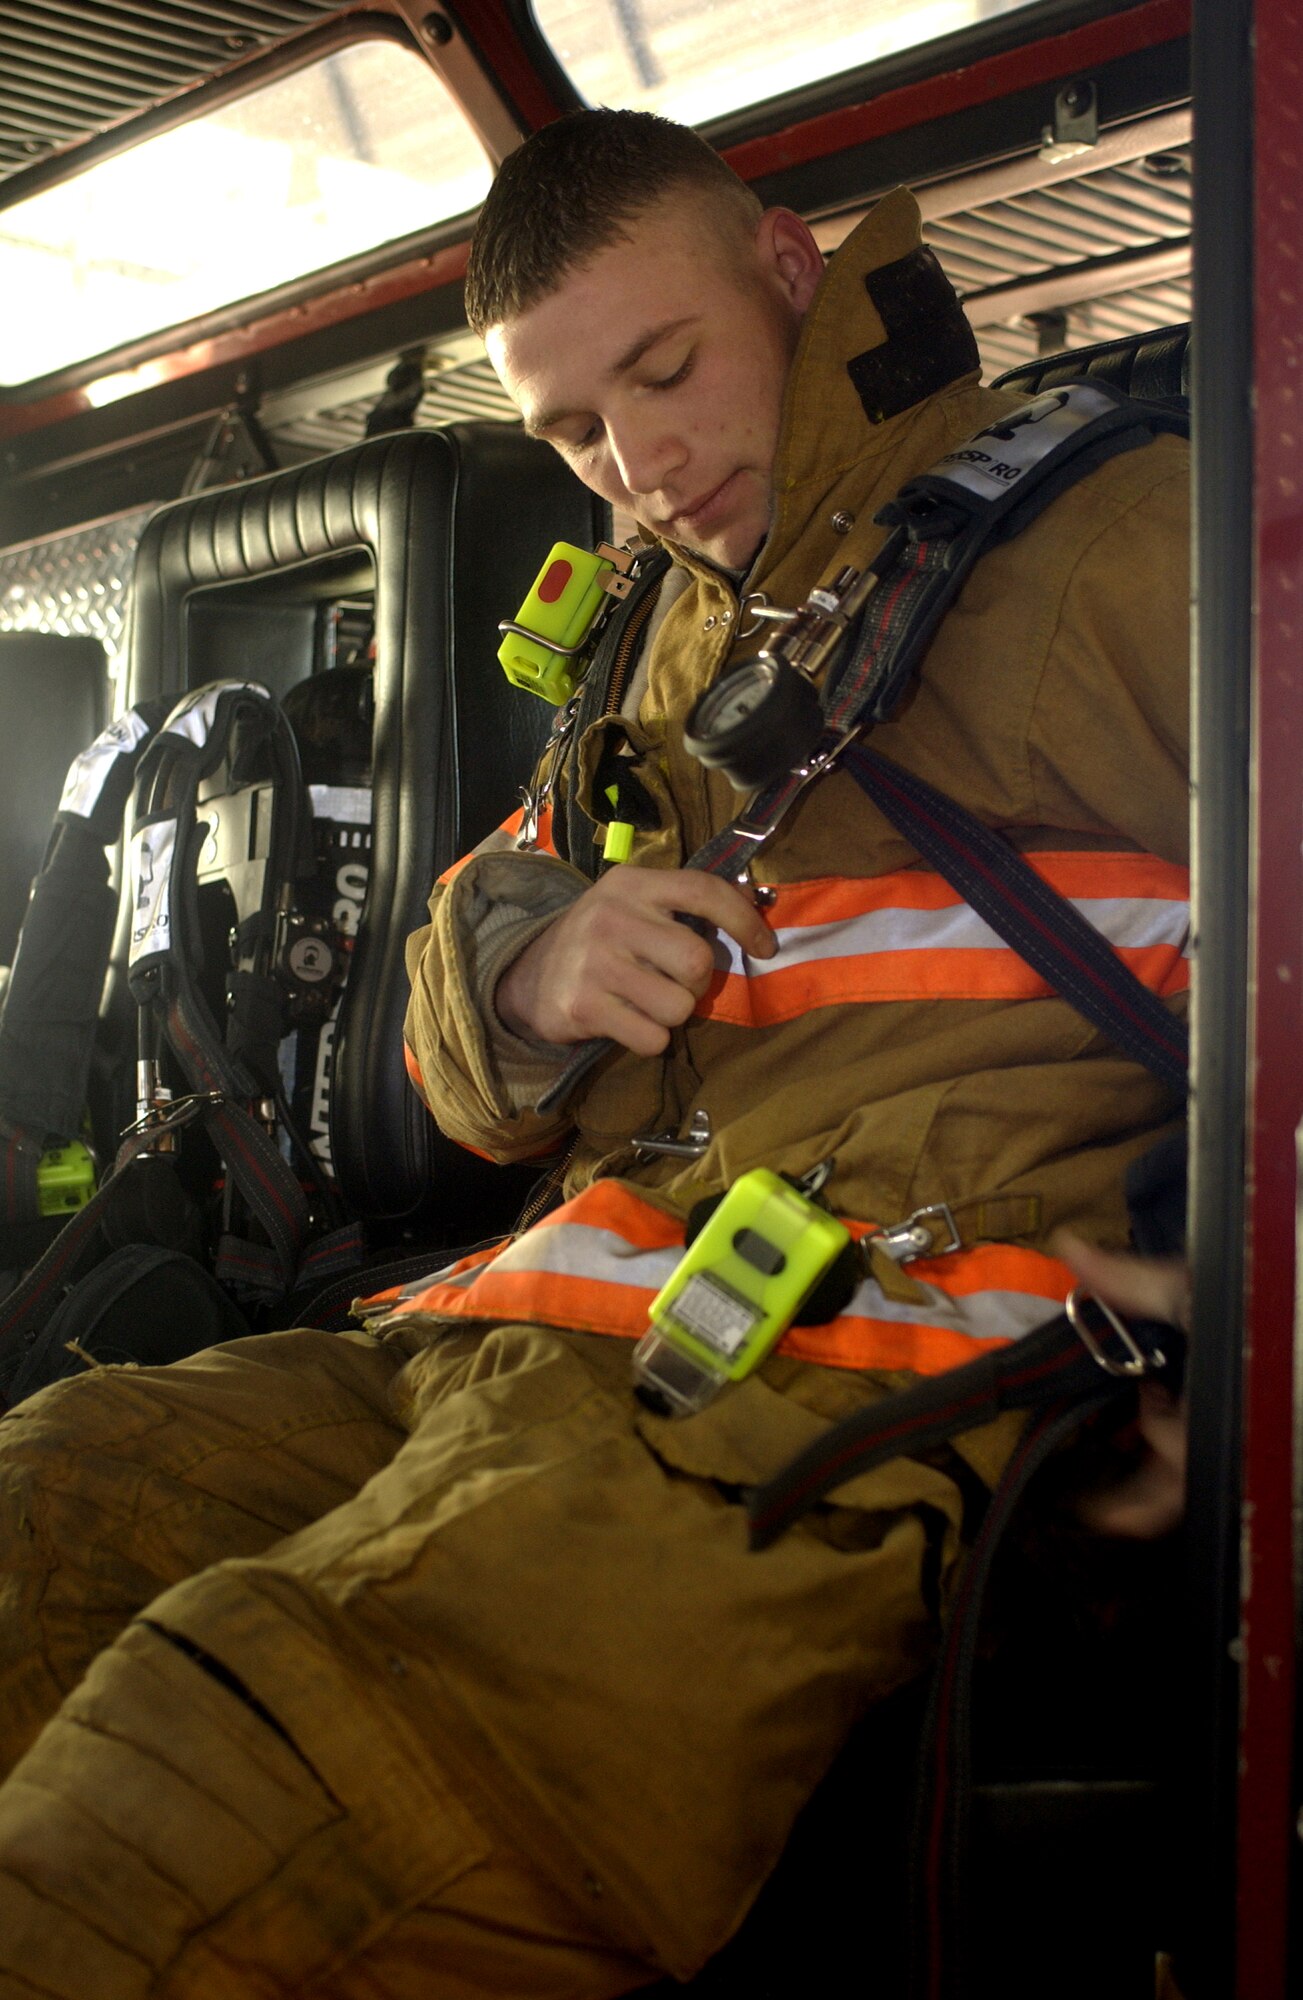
(618,964)
(1150,1500)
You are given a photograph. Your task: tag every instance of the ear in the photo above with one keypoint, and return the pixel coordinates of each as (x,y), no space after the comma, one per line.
(789,251)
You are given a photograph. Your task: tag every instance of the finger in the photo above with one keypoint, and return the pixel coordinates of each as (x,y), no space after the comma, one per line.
(1149,1503)
(721,904)
(655,938)
(1147,1287)
(633,1004)
(665,1000)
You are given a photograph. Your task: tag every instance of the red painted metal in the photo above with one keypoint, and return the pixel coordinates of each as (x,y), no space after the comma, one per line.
(491,28)
(1143,27)
(241,343)
(1268,1666)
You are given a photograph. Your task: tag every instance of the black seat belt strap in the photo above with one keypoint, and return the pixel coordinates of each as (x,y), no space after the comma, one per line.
(51,1010)
(1058,1362)
(1042,926)
(574,833)
(943,1791)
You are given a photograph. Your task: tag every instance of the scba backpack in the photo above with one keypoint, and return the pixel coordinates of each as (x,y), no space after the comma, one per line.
(248,851)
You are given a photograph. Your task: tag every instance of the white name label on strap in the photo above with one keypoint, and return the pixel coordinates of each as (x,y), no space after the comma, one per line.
(998,457)
(151,875)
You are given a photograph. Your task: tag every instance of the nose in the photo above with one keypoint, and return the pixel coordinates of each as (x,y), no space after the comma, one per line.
(646,452)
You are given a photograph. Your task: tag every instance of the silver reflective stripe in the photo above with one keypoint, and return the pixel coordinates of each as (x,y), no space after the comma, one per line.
(598,1256)
(994,1315)
(1129,922)
(577,1250)
(445,1276)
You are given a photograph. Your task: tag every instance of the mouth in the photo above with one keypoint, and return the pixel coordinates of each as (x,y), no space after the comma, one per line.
(704,513)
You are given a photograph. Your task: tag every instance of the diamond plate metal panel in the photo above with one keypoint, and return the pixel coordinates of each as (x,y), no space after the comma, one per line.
(77,583)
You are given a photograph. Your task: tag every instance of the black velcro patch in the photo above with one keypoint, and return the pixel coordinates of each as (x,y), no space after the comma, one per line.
(928,344)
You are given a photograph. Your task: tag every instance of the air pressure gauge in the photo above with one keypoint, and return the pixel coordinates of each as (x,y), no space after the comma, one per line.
(757,722)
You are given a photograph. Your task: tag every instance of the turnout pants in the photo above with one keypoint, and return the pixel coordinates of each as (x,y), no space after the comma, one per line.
(331,1666)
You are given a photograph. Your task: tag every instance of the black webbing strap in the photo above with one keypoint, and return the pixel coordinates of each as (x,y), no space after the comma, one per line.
(20,1195)
(1042,926)
(253,1159)
(939,1839)
(51,1010)
(1049,1365)
(240,1065)
(575,835)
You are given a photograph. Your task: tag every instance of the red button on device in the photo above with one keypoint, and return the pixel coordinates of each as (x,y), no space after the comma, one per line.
(558,576)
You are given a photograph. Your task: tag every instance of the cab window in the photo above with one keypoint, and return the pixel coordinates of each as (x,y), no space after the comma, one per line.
(354,151)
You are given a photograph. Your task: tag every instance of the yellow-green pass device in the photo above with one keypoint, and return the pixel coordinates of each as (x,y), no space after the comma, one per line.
(541,646)
(65,1179)
(736,1291)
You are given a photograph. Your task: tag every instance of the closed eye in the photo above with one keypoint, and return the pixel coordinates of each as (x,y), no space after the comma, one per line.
(680,374)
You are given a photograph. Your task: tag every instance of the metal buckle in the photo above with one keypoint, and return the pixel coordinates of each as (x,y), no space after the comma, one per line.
(1137,1362)
(913,1237)
(525,632)
(692,1147)
(168,1118)
(534,801)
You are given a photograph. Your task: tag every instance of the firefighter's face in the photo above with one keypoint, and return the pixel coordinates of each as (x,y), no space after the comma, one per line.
(657,369)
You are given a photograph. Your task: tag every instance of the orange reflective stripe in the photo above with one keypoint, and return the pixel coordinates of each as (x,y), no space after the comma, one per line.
(596,1264)
(910,936)
(413,1068)
(505,836)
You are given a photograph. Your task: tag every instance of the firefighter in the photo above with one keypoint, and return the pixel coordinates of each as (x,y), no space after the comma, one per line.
(429,1660)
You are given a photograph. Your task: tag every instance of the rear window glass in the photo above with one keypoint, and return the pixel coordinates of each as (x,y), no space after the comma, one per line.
(344,155)
(695,60)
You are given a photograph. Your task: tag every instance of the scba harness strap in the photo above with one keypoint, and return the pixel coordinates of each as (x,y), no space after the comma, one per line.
(281,969)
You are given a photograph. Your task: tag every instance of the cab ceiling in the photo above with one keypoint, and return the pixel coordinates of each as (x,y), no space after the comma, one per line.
(69,72)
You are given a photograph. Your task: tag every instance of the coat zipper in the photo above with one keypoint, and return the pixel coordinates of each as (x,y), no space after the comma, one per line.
(619,675)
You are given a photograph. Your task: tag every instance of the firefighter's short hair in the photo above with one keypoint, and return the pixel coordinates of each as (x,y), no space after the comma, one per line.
(572,190)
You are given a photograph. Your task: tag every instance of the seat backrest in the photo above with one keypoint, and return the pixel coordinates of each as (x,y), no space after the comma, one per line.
(1155,367)
(448,528)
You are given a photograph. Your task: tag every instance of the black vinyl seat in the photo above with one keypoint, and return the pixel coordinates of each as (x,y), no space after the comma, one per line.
(1154,367)
(441,532)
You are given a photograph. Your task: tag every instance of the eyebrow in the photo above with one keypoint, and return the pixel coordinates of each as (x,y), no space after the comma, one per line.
(536,426)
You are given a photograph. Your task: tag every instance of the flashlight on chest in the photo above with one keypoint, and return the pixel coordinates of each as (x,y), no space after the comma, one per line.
(756,1263)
